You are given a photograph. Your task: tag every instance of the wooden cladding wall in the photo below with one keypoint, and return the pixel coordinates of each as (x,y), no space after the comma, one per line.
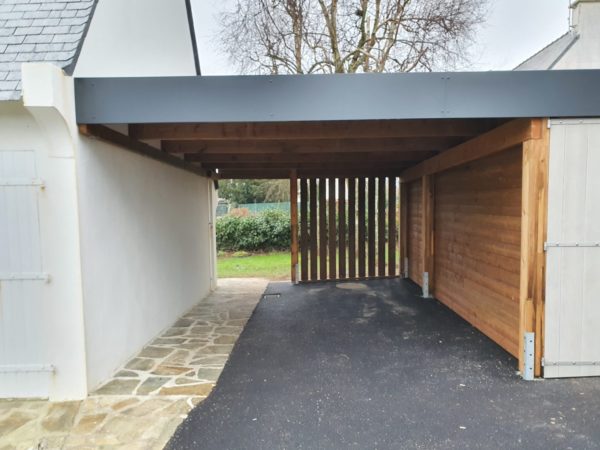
(477,223)
(348,228)
(414,219)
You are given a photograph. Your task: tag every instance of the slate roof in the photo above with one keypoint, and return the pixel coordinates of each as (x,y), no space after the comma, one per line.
(547,58)
(36,31)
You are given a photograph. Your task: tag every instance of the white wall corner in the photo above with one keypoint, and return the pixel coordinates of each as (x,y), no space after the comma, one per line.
(48,95)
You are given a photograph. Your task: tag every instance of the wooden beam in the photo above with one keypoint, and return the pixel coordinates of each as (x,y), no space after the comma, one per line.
(294,146)
(113,137)
(504,137)
(312,130)
(533,235)
(324,167)
(283,174)
(427,199)
(294,223)
(295,158)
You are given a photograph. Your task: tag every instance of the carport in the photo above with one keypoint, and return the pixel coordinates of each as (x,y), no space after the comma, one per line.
(441,178)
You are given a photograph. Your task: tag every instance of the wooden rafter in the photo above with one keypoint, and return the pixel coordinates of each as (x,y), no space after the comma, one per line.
(318,146)
(296,158)
(111,136)
(313,130)
(504,137)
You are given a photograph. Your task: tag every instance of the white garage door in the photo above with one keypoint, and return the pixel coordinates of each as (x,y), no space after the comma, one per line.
(24,370)
(572,335)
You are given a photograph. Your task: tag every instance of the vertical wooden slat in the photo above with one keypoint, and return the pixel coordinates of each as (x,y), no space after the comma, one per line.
(427,194)
(381,237)
(303,229)
(392,226)
(294,224)
(352,227)
(404,229)
(342,226)
(322,229)
(534,205)
(371,226)
(361,238)
(314,257)
(332,231)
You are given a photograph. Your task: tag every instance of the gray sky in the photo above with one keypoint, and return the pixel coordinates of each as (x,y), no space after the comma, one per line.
(515,29)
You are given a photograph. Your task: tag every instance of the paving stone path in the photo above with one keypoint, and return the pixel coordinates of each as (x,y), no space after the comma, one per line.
(145,401)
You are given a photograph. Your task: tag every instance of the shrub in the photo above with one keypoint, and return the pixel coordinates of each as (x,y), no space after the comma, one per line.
(267,231)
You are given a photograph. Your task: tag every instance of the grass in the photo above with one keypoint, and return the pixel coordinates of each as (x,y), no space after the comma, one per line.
(274,266)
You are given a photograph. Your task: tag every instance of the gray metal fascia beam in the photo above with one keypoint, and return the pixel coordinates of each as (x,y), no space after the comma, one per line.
(290,98)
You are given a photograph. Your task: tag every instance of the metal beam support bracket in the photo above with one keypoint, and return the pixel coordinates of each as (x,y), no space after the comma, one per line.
(548,245)
(528,356)
(18,182)
(426,293)
(25,277)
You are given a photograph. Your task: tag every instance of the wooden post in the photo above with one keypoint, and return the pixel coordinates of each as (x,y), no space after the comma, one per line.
(294,223)
(427,196)
(332,230)
(304,230)
(404,228)
(533,235)
(322,229)
(314,256)
(371,227)
(381,226)
(342,226)
(361,238)
(392,226)
(352,227)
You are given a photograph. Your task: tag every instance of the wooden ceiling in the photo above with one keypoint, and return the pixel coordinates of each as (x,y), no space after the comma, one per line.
(273,150)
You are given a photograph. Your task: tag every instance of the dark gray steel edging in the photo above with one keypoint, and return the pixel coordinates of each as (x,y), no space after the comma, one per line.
(574,93)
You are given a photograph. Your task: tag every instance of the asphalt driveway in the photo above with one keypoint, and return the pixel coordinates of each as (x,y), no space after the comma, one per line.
(374,366)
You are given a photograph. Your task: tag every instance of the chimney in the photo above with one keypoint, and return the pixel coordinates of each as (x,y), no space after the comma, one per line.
(585,17)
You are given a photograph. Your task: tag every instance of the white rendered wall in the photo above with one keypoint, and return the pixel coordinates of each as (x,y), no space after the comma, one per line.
(585,52)
(146,250)
(137,38)
(572,323)
(41,324)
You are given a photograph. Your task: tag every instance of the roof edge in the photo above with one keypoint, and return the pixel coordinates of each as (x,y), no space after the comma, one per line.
(188,7)
(71,67)
(574,38)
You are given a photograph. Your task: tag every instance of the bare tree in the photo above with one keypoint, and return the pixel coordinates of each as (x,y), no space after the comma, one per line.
(347,36)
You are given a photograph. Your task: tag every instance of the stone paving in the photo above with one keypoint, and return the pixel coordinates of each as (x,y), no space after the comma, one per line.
(145,401)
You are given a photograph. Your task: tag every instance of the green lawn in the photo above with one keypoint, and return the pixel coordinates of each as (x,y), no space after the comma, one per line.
(274,266)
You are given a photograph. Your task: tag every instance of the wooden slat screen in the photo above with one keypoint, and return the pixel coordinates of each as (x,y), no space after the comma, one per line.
(348,228)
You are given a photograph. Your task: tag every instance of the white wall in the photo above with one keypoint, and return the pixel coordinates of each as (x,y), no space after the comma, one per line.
(585,52)
(572,319)
(137,38)
(41,324)
(146,250)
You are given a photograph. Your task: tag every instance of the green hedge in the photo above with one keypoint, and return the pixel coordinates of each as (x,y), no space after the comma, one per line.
(266,231)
